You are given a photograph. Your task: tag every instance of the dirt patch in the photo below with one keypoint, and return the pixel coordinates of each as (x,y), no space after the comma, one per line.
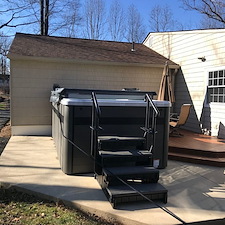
(5,135)
(6,131)
(5,128)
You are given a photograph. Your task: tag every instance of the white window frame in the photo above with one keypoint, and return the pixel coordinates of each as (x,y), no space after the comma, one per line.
(215,69)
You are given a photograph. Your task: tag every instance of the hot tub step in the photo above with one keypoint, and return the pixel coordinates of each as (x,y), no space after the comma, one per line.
(144,174)
(117,158)
(117,142)
(124,194)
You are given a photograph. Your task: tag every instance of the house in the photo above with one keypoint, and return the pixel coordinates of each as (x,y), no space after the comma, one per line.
(38,62)
(201,78)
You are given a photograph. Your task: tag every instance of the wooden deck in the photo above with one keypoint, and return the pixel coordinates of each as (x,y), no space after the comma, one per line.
(197,148)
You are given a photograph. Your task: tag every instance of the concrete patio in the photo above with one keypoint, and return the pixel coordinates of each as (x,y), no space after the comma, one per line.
(196,193)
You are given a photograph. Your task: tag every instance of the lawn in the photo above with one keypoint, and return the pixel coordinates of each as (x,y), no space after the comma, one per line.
(20,208)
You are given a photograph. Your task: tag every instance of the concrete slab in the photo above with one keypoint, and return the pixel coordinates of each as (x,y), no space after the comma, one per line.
(196,193)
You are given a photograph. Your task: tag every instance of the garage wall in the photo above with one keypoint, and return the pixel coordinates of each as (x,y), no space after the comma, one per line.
(32,81)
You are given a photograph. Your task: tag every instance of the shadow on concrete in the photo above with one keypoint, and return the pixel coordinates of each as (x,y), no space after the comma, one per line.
(70,196)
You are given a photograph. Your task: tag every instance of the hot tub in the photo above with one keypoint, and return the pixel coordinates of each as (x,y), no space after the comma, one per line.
(122,114)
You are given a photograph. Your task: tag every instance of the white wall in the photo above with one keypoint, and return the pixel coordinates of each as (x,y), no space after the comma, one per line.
(184,48)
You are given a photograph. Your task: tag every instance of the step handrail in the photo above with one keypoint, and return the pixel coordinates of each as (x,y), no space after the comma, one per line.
(149,100)
(96,105)
(96,113)
(150,130)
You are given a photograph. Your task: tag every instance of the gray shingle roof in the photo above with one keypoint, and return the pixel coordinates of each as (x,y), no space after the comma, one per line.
(30,45)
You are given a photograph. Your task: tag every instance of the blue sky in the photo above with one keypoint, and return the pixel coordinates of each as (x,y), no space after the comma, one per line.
(189,19)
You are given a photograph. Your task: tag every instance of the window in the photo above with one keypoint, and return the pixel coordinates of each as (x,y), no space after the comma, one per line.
(216,86)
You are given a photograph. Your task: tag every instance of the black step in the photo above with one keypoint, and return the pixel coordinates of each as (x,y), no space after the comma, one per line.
(124,194)
(117,142)
(145,174)
(117,158)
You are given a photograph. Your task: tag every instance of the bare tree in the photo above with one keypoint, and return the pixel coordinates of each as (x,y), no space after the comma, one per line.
(43,16)
(208,23)
(64,16)
(135,27)
(161,19)
(94,19)
(4,48)
(213,9)
(73,19)
(116,23)
(4,63)
(14,14)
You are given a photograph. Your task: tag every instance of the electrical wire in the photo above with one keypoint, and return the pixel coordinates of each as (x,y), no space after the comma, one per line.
(165,209)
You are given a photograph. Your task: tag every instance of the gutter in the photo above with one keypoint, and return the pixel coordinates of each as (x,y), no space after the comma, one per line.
(12,56)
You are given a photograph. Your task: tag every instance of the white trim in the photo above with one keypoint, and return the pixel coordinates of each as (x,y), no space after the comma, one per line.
(218,104)
(39,130)
(207,70)
(204,31)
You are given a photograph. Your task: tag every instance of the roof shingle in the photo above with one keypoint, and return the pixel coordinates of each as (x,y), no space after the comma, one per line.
(30,45)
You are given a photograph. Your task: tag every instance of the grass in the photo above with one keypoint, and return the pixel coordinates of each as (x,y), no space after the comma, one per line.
(4,106)
(21,208)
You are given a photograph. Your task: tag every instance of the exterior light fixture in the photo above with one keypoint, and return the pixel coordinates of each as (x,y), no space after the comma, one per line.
(203,59)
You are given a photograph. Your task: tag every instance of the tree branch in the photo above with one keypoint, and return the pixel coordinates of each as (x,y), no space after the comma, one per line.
(210,8)
(214,11)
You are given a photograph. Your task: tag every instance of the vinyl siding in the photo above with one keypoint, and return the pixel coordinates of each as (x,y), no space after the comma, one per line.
(184,48)
(32,82)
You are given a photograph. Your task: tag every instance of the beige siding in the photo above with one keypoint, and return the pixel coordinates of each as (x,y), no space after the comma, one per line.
(184,48)
(32,81)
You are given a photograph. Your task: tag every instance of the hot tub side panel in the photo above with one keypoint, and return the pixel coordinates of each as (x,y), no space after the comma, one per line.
(61,135)
(71,124)
(162,137)
(81,136)
(71,134)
